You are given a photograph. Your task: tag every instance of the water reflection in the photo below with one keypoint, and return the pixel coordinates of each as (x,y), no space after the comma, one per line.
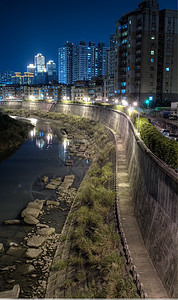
(44,153)
(45,140)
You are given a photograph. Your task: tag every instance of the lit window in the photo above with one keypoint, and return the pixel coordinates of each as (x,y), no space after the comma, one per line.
(152,52)
(124,41)
(152,37)
(151,98)
(130,22)
(122,91)
(123,83)
(128,68)
(167,69)
(152,59)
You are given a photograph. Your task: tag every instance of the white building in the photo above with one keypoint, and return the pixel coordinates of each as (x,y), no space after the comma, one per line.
(39,62)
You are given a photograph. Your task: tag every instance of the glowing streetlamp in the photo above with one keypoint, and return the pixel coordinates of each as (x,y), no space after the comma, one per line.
(31,97)
(147,102)
(135,103)
(124,103)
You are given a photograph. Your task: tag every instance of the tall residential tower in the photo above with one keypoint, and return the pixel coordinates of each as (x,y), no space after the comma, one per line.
(145,54)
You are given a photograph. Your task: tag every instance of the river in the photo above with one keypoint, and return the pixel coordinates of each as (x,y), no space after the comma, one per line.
(43,153)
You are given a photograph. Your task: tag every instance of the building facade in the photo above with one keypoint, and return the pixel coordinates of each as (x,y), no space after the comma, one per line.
(6,76)
(65,64)
(167,87)
(81,62)
(139,55)
(39,62)
(51,71)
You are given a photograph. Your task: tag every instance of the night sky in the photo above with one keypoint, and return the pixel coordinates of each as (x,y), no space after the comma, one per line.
(30,27)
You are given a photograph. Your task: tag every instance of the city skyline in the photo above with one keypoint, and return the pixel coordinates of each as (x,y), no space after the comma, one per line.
(30,29)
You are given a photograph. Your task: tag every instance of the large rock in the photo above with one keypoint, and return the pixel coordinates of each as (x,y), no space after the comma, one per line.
(12,222)
(30,211)
(34,204)
(45,179)
(51,186)
(56,181)
(36,241)
(11,294)
(46,231)
(1,248)
(69,177)
(15,251)
(39,225)
(30,220)
(50,202)
(26,269)
(33,253)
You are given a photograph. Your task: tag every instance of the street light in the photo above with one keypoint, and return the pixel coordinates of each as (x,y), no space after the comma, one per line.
(124,102)
(147,102)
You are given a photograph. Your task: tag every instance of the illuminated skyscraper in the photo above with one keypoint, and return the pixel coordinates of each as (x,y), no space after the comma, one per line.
(51,71)
(39,62)
(91,60)
(100,60)
(31,68)
(65,64)
(79,62)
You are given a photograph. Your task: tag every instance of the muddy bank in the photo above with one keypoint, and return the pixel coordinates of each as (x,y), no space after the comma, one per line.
(13,133)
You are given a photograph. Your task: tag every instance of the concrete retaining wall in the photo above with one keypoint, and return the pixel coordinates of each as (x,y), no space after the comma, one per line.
(153,188)
(154,192)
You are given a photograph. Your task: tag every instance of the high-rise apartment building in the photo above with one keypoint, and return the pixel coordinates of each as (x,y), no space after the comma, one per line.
(136,35)
(31,68)
(167,87)
(91,60)
(65,63)
(51,71)
(81,62)
(141,41)
(110,54)
(100,59)
(39,62)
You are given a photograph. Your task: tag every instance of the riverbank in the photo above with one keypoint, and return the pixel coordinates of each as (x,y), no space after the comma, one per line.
(92,243)
(13,133)
(89,261)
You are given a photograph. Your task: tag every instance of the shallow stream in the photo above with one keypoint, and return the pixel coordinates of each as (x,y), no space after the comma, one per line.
(43,154)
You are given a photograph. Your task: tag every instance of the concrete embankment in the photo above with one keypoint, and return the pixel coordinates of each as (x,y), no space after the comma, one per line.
(153,188)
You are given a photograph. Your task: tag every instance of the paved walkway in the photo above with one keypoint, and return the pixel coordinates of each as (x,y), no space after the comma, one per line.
(153,286)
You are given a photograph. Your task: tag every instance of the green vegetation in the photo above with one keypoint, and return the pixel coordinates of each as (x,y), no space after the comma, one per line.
(13,133)
(94,242)
(162,147)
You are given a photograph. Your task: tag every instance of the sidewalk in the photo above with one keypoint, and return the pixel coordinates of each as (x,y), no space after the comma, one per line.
(153,286)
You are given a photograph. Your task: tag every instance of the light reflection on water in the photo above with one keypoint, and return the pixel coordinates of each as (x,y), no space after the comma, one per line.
(44,153)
